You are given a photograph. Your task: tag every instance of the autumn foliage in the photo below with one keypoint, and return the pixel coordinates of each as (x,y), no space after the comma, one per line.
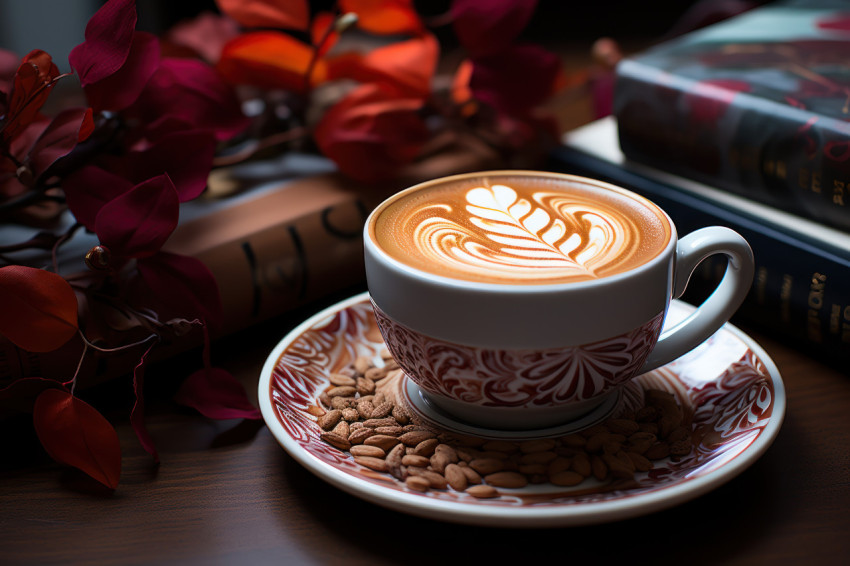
(160,113)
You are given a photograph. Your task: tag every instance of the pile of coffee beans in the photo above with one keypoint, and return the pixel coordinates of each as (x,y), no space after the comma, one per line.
(359,414)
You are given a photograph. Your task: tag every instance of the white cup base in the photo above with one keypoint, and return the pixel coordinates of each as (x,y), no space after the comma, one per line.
(509,422)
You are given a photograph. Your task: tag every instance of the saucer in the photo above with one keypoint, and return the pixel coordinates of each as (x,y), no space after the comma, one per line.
(728,385)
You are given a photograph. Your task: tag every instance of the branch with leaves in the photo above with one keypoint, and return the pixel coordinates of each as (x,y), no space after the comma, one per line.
(159,114)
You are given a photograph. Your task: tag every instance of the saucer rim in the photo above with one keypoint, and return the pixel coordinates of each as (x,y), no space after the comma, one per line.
(556,515)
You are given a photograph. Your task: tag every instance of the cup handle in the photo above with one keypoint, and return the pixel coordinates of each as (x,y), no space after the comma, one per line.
(723,302)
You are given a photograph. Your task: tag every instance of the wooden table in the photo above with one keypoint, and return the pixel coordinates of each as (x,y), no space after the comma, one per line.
(226,492)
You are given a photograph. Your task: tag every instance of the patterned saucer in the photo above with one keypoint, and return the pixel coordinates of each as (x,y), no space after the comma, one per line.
(728,386)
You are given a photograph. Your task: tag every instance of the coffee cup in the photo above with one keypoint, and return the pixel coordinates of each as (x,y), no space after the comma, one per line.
(519,300)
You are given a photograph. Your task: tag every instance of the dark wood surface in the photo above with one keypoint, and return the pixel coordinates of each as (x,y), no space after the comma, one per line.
(226,492)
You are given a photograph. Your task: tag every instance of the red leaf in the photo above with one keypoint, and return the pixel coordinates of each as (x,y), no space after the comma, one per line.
(137,416)
(32,84)
(88,189)
(407,66)
(138,222)
(485,27)
(371,132)
(290,14)
(216,394)
(269,59)
(384,17)
(183,285)
(836,22)
(186,157)
(206,34)
(109,34)
(121,88)
(517,80)
(322,32)
(194,93)
(38,309)
(61,136)
(74,433)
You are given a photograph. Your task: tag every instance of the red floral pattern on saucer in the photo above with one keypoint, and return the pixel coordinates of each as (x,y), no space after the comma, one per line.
(728,387)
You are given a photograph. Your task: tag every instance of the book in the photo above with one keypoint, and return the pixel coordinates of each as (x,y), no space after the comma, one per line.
(801,290)
(758,105)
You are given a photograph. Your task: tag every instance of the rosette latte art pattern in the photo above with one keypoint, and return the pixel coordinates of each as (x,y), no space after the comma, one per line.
(515,234)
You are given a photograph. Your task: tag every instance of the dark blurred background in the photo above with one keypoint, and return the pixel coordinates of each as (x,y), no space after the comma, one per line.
(58,25)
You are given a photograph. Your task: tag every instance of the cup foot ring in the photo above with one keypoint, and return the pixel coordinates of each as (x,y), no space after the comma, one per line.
(429,409)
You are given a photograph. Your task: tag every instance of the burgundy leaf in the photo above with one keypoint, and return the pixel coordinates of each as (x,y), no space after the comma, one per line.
(183,286)
(137,416)
(216,394)
(24,140)
(194,93)
(75,433)
(206,34)
(109,34)
(66,130)
(138,222)
(837,22)
(186,157)
(38,309)
(32,84)
(88,189)
(121,88)
(516,80)
(486,27)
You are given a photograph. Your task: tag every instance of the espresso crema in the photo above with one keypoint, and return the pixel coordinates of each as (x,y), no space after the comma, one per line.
(517,229)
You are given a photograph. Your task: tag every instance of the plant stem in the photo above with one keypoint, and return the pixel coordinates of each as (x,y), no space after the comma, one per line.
(255,146)
(61,240)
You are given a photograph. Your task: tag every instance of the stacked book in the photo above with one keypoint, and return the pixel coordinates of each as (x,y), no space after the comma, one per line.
(746,124)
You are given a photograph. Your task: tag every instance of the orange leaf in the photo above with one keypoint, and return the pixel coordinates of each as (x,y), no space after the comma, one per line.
(269,59)
(38,309)
(290,14)
(74,433)
(407,66)
(384,17)
(461,93)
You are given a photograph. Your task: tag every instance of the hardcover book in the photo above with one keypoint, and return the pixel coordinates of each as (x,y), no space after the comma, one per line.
(758,105)
(801,291)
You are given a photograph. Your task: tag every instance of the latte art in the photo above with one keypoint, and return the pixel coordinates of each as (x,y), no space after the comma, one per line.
(520,230)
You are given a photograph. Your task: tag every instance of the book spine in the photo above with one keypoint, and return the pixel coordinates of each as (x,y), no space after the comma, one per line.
(282,267)
(770,152)
(801,290)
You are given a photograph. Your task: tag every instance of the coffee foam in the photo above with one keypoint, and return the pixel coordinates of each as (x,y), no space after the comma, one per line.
(520,230)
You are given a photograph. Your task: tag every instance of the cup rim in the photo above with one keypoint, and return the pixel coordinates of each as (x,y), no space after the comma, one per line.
(482,286)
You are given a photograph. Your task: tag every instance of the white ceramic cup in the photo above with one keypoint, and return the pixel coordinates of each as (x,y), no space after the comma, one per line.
(526,356)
